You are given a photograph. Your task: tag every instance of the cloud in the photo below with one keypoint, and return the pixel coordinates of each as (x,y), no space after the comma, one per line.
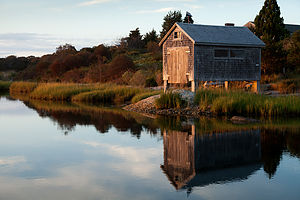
(12,160)
(93,2)
(193,6)
(27,44)
(161,10)
(137,162)
(174,0)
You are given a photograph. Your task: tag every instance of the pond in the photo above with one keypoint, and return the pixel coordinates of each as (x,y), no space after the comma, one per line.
(76,151)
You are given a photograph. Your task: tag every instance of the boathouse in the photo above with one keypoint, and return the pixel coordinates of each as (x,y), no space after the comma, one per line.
(194,53)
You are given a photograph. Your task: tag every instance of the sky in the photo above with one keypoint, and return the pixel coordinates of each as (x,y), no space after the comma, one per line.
(37,27)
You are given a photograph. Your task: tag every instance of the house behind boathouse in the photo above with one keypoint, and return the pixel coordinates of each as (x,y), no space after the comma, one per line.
(193,53)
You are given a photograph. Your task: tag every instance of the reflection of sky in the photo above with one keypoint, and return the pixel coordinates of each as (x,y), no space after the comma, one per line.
(37,161)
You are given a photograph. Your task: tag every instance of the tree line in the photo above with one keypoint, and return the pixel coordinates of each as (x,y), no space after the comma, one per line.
(109,63)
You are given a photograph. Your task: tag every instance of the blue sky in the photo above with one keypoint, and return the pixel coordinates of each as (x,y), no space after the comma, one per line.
(37,27)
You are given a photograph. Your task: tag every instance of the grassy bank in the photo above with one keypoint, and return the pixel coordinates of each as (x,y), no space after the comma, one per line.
(90,93)
(169,100)
(4,86)
(223,102)
(22,87)
(116,94)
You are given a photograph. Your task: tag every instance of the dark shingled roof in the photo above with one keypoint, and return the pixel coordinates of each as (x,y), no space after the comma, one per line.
(221,35)
(292,27)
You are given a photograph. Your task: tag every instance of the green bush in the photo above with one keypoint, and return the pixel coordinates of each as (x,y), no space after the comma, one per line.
(169,100)
(4,86)
(150,82)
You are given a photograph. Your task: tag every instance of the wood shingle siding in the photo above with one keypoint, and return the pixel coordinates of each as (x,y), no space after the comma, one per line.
(210,53)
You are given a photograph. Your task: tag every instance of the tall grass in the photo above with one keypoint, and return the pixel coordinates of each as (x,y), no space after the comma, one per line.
(117,94)
(144,95)
(223,102)
(169,100)
(22,87)
(58,91)
(4,86)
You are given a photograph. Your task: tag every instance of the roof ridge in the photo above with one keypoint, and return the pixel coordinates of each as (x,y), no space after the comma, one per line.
(209,25)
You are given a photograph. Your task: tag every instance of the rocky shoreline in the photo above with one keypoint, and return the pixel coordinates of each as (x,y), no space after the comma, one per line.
(147,106)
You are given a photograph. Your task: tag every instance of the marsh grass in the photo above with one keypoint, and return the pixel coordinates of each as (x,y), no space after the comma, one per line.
(144,95)
(59,91)
(116,94)
(22,87)
(4,86)
(223,102)
(169,100)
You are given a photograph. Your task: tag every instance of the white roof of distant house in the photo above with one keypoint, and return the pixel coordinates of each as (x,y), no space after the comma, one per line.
(218,35)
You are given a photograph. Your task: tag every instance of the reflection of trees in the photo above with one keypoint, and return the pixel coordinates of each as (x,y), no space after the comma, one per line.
(271,151)
(67,116)
(274,142)
(293,144)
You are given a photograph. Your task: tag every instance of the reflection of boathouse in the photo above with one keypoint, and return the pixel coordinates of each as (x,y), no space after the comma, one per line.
(192,159)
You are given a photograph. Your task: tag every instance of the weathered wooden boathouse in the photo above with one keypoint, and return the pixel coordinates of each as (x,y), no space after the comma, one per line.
(194,53)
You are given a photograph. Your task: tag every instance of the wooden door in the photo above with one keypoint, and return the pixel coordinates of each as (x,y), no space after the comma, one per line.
(177,64)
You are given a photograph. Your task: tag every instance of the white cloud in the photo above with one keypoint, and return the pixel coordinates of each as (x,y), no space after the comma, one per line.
(12,160)
(161,10)
(136,161)
(27,44)
(93,2)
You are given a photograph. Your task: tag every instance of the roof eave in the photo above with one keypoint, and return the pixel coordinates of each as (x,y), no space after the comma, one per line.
(169,32)
(228,44)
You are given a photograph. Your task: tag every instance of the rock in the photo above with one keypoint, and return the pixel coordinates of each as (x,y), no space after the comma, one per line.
(243,120)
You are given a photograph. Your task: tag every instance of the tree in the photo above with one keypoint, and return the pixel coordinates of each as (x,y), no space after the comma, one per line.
(150,37)
(66,49)
(169,20)
(188,18)
(269,25)
(135,39)
(292,46)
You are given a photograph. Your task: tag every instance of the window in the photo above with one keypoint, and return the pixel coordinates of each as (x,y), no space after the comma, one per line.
(236,53)
(177,35)
(221,53)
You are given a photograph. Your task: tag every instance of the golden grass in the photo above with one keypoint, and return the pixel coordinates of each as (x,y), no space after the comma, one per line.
(22,87)
(223,102)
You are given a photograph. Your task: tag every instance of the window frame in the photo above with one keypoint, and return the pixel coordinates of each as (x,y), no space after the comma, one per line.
(229,54)
(179,35)
(226,49)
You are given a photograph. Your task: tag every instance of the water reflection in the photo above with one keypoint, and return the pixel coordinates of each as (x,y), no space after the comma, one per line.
(200,157)
(192,159)
(196,153)
(68,115)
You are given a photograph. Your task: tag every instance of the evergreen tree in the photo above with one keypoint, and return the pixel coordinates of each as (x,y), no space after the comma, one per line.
(269,25)
(169,20)
(135,39)
(150,36)
(188,18)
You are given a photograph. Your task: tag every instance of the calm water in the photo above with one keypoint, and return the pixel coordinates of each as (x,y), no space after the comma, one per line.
(66,151)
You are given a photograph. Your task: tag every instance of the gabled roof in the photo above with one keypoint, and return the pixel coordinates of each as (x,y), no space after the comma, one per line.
(217,35)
